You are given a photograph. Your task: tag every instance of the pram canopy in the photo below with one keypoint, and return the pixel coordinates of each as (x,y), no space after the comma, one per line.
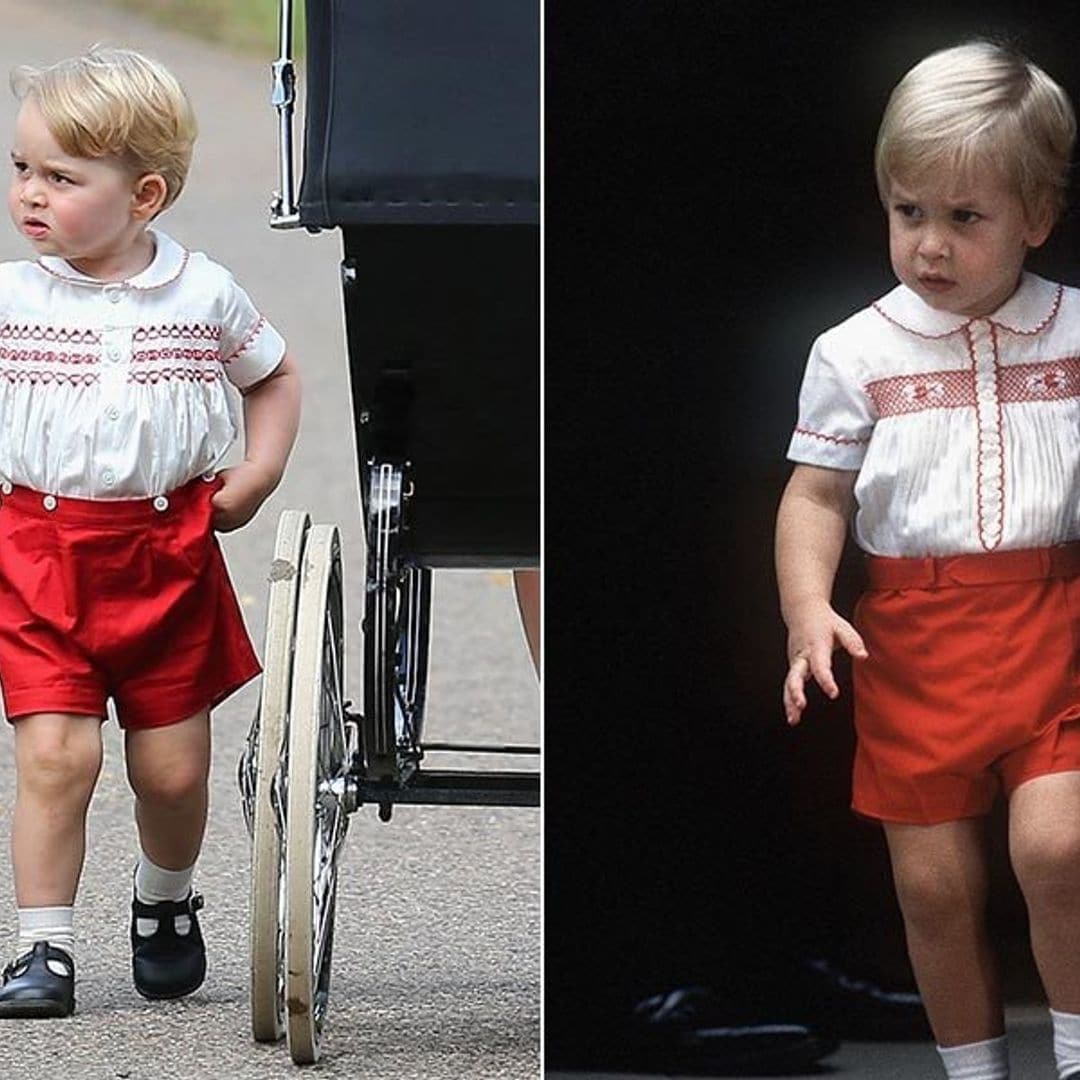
(421,112)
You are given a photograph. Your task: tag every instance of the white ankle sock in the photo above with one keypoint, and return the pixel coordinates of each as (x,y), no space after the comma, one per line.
(987,1060)
(153,884)
(1066,1042)
(52,924)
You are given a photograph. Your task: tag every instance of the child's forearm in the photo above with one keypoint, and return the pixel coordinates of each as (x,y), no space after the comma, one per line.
(811,527)
(271,420)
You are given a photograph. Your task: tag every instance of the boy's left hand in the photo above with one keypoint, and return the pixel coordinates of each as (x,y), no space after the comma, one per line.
(245,487)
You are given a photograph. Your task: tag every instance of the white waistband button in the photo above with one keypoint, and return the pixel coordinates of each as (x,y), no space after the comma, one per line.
(209,477)
(161,503)
(49,502)
(7,487)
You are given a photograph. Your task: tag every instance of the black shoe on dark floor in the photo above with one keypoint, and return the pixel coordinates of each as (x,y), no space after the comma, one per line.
(821,993)
(690,1030)
(167,964)
(31,988)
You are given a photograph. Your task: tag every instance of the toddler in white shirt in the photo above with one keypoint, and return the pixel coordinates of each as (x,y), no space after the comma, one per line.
(115,344)
(943,423)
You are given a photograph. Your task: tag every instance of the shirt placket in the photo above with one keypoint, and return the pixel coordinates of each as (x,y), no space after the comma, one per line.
(990,470)
(116,341)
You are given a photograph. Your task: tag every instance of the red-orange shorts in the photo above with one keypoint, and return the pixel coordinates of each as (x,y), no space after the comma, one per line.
(126,599)
(972,684)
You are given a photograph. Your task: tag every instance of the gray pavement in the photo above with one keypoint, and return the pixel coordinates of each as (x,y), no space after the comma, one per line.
(437,949)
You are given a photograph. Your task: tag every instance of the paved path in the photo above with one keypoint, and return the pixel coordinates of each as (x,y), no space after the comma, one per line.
(437,952)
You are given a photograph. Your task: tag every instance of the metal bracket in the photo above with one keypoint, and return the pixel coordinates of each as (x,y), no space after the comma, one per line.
(284,213)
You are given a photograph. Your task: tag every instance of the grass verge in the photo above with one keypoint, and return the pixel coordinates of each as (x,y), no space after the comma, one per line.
(250,26)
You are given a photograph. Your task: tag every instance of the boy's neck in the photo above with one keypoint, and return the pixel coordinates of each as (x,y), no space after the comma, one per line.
(120,265)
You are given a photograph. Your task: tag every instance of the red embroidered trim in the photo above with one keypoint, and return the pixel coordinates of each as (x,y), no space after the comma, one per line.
(81,378)
(840,440)
(245,344)
(199,331)
(35,332)
(24,356)
(1051,380)
(148,356)
(908,329)
(1044,324)
(167,374)
(1004,326)
(901,394)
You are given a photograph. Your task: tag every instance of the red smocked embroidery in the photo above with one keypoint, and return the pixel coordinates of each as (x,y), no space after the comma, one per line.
(198,331)
(1052,380)
(901,394)
(78,378)
(60,334)
(156,375)
(150,356)
(840,440)
(46,356)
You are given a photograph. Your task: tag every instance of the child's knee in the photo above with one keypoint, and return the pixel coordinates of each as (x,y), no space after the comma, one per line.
(57,759)
(933,895)
(177,785)
(1049,864)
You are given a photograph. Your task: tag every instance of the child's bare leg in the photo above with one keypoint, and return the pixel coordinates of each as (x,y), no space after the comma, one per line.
(169,768)
(1044,842)
(941,882)
(527,588)
(58,759)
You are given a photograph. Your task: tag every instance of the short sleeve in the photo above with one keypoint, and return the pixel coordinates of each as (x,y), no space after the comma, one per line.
(250,348)
(835,415)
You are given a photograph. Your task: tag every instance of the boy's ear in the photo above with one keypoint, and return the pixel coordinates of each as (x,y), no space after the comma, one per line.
(1041,225)
(148,195)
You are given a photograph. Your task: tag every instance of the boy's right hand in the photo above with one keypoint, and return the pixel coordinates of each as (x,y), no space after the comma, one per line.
(812,637)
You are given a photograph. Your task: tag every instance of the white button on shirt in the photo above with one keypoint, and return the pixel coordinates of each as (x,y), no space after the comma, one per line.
(965,433)
(77,356)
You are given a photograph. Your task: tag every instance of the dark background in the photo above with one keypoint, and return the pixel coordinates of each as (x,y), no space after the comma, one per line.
(710,208)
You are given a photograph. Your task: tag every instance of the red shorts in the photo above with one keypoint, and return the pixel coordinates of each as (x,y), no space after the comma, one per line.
(128,599)
(972,683)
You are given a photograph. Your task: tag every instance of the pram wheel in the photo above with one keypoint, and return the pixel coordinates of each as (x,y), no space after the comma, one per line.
(267,877)
(317,815)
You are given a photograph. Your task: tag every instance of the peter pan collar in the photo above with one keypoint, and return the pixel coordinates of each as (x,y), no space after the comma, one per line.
(166,266)
(1028,311)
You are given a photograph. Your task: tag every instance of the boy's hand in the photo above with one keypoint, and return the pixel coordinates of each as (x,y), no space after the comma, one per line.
(812,637)
(245,487)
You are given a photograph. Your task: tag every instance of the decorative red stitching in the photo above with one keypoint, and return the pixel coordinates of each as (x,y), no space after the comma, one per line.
(200,331)
(918,333)
(841,440)
(40,356)
(1046,380)
(101,284)
(148,356)
(1044,324)
(81,378)
(902,394)
(245,344)
(157,375)
(36,332)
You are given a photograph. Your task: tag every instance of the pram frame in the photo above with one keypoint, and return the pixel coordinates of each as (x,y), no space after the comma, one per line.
(310,760)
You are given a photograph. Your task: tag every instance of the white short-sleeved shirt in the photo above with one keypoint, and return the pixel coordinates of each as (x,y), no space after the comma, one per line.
(117,390)
(965,432)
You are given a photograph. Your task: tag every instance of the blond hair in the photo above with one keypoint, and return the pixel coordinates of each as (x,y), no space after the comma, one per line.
(980,106)
(116,103)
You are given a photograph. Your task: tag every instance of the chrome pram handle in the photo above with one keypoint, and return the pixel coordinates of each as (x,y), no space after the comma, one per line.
(284,213)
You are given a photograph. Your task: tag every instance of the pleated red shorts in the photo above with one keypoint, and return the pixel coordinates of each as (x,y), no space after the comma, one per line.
(972,685)
(126,599)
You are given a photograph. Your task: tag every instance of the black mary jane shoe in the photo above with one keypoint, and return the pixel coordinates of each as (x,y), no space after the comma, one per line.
(31,988)
(167,964)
